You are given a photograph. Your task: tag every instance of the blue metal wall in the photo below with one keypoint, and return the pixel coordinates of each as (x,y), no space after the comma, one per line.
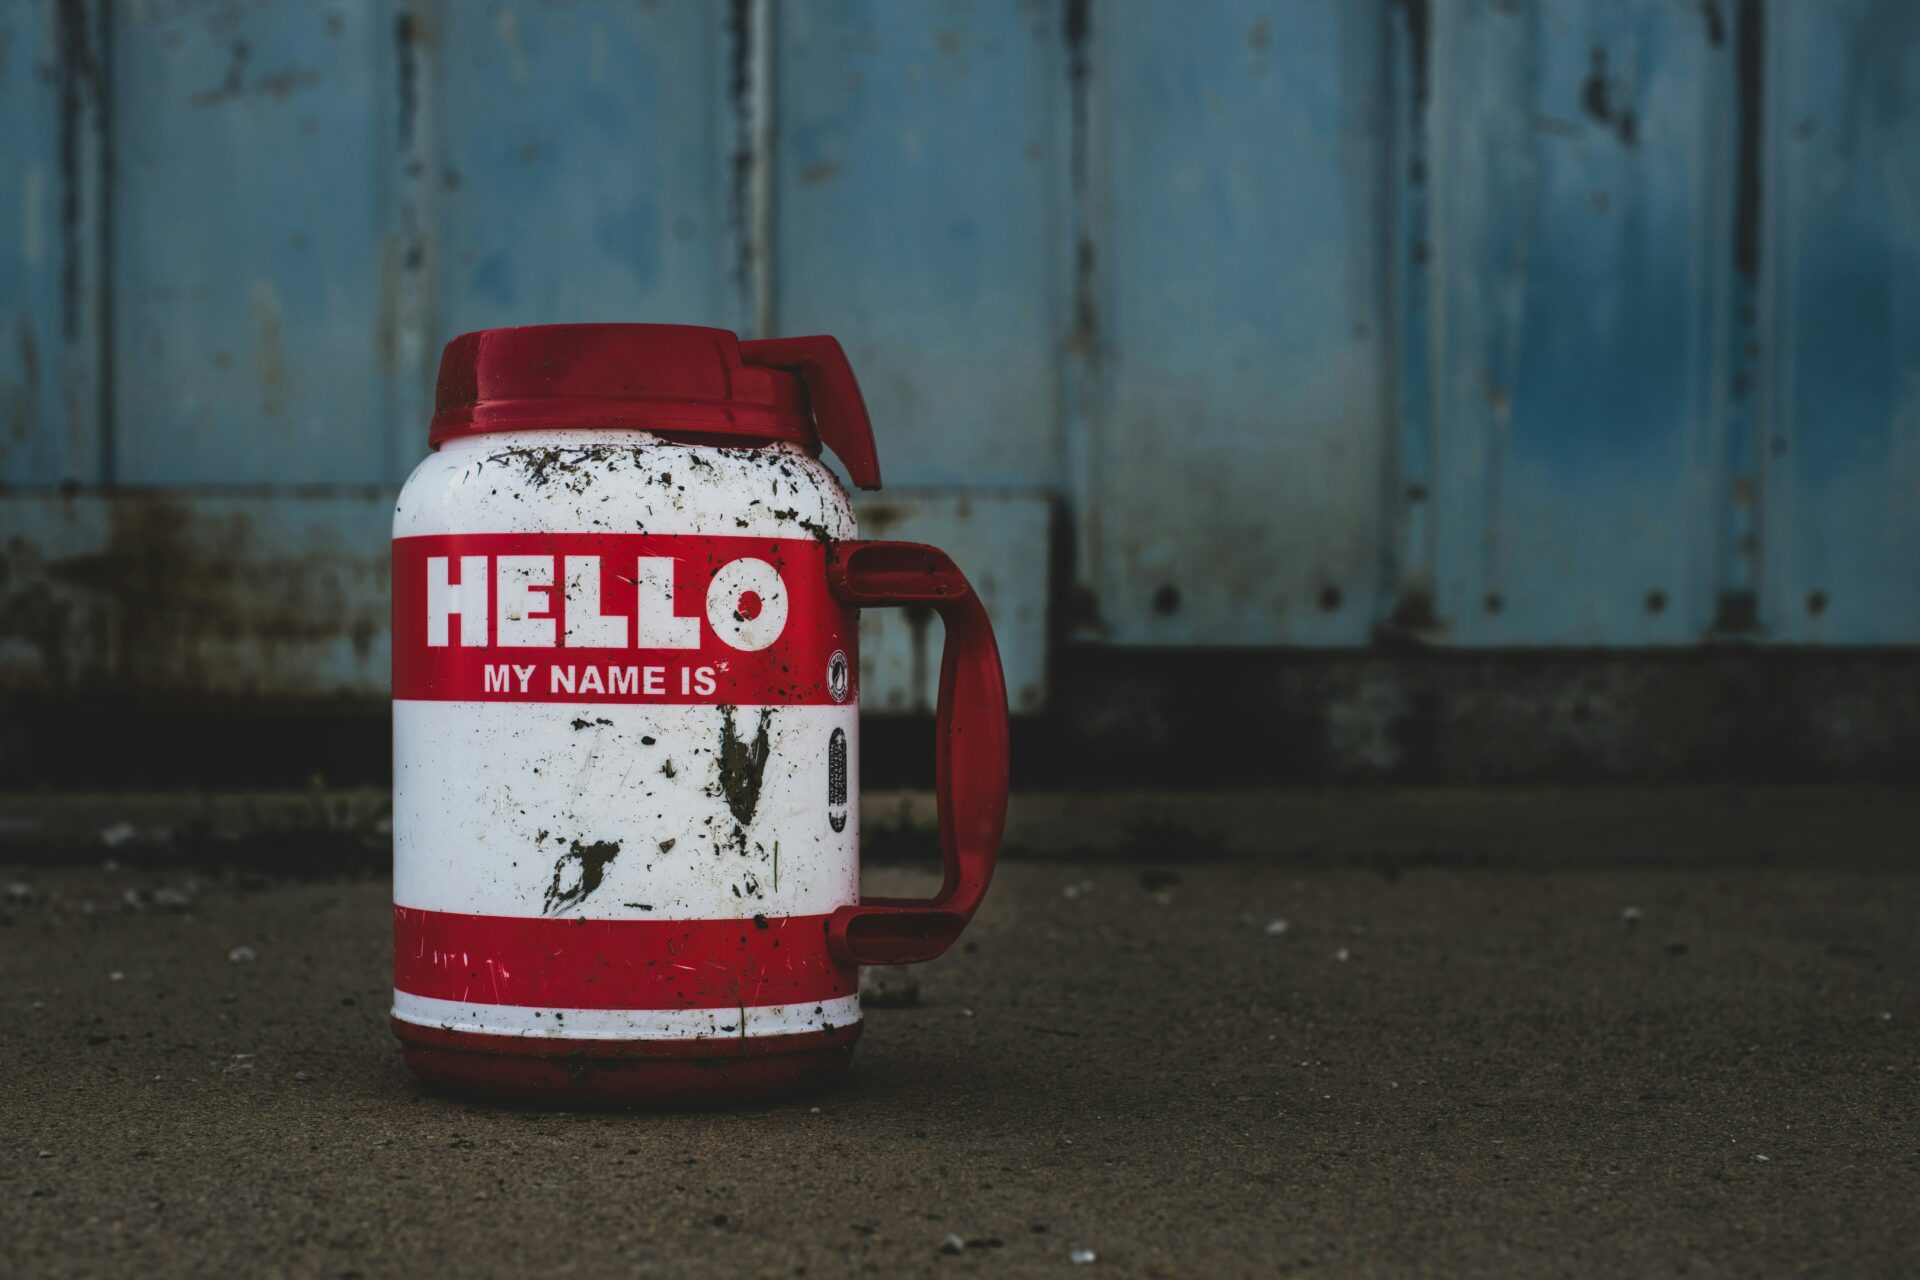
(1476,323)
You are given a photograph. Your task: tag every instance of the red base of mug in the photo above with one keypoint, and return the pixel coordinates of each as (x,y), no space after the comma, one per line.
(625,1073)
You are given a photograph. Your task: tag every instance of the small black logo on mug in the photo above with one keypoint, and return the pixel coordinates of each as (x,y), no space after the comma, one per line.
(837,675)
(837,780)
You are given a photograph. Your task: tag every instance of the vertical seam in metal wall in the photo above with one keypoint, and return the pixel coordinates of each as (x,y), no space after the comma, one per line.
(104,329)
(86,339)
(1507,354)
(1774,547)
(763,86)
(1080,351)
(1442,246)
(1406,250)
(411,207)
(1708,269)
(1783,580)
(1737,612)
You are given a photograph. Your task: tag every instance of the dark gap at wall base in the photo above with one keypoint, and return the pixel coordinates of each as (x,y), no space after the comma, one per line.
(1174,718)
(1733,714)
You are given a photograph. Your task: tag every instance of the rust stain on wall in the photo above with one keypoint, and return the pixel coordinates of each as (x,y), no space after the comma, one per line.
(160,593)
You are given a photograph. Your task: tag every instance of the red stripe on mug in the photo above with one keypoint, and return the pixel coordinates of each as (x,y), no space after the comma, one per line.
(615,964)
(581,617)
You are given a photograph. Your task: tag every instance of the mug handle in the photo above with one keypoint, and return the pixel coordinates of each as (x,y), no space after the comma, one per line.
(971,752)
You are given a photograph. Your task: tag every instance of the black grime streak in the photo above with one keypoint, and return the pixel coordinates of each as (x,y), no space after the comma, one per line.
(742,766)
(593,860)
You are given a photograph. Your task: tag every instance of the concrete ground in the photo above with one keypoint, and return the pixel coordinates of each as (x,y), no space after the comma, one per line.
(1599,1033)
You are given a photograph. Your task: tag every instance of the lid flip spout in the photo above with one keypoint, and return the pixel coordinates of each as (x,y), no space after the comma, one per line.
(839,410)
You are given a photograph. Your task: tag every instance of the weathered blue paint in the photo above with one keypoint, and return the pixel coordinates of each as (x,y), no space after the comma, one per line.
(1840,497)
(1466,323)
(53,425)
(919,217)
(1232,214)
(580,162)
(246,235)
(1580,173)
(196,593)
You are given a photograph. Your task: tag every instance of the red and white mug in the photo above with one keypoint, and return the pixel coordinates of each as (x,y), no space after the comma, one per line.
(626,600)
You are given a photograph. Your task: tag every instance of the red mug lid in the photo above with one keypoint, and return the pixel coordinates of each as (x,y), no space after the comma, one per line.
(681,381)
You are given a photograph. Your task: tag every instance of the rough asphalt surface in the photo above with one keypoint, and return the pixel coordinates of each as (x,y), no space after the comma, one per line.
(1452,1064)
